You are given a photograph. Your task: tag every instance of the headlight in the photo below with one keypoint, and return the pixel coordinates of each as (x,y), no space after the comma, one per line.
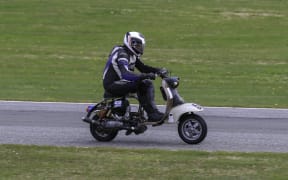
(175,84)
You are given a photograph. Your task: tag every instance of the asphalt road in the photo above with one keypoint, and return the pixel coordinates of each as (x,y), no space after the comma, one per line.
(229,129)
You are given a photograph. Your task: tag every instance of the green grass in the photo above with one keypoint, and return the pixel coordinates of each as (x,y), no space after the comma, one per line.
(36,162)
(227,53)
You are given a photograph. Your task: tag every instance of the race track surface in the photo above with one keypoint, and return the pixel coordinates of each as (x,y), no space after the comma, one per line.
(229,129)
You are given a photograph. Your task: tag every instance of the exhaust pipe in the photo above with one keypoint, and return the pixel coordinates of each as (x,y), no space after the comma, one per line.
(109,124)
(113,124)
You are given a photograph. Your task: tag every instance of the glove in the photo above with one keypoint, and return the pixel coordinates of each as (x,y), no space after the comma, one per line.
(163,72)
(151,76)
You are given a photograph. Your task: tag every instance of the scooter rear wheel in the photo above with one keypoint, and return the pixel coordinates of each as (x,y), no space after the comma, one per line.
(192,129)
(102,134)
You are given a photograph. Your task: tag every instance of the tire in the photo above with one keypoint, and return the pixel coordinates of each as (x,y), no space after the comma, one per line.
(101,134)
(192,129)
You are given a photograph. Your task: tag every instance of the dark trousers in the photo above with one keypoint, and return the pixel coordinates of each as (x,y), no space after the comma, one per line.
(144,90)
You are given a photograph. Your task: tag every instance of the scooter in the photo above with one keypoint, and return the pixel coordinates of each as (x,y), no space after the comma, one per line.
(113,114)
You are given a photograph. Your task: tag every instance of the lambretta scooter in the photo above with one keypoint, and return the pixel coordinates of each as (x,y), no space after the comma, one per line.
(113,114)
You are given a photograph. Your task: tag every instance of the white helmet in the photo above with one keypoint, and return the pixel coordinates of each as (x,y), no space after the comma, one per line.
(135,42)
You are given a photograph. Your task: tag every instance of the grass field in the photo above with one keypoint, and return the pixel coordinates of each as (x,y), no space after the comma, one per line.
(32,162)
(227,53)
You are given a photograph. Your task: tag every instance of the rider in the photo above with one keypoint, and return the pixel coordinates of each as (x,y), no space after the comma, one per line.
(119,78)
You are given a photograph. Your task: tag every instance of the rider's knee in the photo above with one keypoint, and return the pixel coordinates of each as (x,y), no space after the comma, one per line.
(147,82)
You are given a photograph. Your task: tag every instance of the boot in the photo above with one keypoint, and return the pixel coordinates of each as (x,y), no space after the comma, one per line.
(152,112)
(155,116)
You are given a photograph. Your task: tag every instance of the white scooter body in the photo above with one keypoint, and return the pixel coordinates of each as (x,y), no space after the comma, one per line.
(174,111)
(187,108)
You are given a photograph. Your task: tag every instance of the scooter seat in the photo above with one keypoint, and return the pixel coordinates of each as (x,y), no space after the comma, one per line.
(108,95)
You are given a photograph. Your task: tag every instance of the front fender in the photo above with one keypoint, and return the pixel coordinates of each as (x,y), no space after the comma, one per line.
(178,111)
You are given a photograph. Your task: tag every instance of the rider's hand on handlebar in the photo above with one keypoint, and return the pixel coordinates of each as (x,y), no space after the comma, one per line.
(163,72)
(151,76)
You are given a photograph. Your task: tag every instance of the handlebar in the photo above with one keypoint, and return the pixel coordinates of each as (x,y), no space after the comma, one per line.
(163,73)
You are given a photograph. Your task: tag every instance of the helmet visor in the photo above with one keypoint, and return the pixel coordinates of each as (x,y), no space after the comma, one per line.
(137,45)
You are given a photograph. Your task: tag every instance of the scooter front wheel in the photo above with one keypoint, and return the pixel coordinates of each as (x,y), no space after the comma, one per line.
(192,129)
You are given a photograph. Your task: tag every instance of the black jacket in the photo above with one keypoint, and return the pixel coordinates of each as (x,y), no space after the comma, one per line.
(121,64)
